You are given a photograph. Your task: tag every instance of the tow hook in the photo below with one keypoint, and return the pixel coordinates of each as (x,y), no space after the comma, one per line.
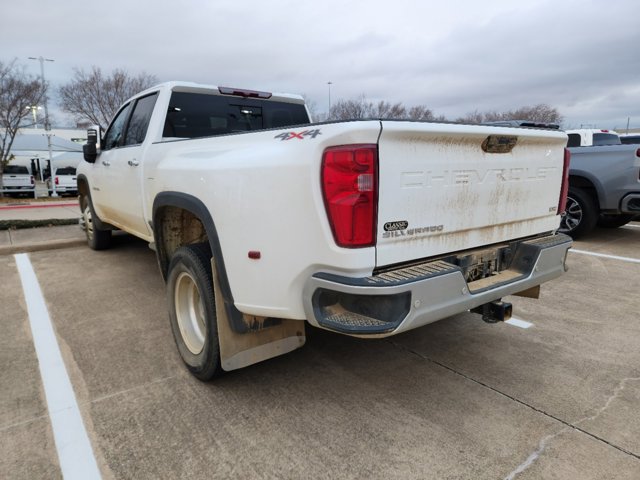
(496,311)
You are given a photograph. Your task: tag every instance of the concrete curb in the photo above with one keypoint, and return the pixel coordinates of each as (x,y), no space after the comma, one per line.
(40,246)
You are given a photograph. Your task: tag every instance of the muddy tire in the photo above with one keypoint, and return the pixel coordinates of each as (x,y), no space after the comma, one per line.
(97,239)
(192,310)
(581,214)
(614,221)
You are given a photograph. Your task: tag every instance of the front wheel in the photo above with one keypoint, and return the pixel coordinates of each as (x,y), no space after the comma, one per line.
(581,213)
(97,239)
(192,310)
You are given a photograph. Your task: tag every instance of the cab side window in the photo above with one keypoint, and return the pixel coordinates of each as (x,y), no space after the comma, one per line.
(140,118)
(115,134)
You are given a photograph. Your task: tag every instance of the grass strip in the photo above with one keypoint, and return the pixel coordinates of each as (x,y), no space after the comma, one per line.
(18,224)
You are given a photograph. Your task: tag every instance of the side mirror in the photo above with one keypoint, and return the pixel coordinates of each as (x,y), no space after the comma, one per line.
(91,149)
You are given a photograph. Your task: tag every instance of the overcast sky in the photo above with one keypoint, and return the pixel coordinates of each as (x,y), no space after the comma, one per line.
(580,56)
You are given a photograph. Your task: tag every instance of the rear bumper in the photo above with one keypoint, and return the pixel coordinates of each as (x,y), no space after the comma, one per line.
(631,204)
(7,190)
(410,297)
(64,189)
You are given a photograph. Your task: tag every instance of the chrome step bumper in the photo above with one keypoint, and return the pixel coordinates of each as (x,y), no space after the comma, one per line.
(409,297)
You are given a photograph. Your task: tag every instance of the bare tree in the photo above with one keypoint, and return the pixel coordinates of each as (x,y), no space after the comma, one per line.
(362,108)
(472,117)
(387,110)
(537,113)
(19,94)
(350,109)
(96,97)
(420,112)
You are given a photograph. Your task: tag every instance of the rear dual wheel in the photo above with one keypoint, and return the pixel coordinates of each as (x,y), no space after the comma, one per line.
(192,310)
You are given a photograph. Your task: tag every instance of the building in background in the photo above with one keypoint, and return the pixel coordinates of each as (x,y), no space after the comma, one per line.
(30,148)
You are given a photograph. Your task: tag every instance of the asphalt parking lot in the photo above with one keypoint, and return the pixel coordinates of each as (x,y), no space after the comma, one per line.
(458,399)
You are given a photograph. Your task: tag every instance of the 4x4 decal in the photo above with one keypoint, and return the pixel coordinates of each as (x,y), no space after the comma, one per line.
(299,135)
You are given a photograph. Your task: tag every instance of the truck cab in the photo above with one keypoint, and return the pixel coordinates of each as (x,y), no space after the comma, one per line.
(588,137)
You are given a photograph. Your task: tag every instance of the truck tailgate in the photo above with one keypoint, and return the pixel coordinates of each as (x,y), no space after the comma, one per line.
(445,188)
(10,180)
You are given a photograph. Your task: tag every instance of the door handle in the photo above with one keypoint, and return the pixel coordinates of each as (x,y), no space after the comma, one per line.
(105,163)
(133,163)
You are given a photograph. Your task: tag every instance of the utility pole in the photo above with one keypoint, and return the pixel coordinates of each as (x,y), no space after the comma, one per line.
(329,112)
(47,125)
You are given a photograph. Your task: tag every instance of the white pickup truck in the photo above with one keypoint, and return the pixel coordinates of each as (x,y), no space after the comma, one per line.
(17,180)
(261,220)
(64,181)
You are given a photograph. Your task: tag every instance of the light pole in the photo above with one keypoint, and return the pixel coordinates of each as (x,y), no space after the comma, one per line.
(47,126)
(329,113)
(34,109)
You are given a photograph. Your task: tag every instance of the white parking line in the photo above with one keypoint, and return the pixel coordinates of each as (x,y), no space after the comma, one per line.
(631,226)
(603,255)
(516,322)
(77,460)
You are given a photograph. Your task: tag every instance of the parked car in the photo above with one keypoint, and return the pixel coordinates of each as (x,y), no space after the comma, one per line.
(17,180)
(604,188)
(64,180)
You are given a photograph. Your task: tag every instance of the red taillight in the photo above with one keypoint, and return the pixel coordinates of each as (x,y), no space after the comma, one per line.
(57,181)
(564,191)
(350,190)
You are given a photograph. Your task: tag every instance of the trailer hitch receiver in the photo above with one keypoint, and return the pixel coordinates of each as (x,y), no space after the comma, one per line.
(496,311)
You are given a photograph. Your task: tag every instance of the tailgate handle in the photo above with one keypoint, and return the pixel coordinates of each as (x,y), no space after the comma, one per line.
(499,143)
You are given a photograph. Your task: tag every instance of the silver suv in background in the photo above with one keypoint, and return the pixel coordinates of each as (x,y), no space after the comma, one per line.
(604,188)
